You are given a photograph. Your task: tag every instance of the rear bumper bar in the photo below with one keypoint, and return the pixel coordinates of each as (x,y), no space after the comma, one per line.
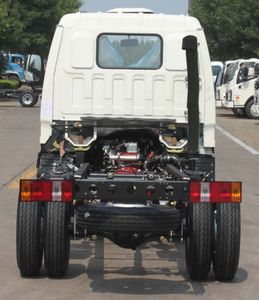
(125,189)
(128,188)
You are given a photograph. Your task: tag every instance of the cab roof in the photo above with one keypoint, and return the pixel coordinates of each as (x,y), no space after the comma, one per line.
(130,19)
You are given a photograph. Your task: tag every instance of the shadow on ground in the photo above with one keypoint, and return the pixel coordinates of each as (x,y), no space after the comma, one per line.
(137,280)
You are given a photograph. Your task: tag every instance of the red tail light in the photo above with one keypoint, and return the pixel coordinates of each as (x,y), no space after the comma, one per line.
(41,190)
(67,191)
(46,190)
(216,192)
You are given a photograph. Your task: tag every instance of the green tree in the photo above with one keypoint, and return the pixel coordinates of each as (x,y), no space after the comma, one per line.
(231,27)
(3,22)
(28,25)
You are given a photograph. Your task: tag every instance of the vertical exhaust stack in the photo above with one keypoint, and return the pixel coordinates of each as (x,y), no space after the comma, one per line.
(190,44)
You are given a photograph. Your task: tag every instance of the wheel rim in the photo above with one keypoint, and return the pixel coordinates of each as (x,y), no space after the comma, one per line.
(27,99)
(254,110)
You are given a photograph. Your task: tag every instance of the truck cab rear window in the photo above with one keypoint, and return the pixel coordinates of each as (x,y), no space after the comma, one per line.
(129,51)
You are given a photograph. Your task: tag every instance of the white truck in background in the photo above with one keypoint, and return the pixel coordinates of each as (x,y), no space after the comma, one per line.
(217,72)
(222,82)
(240,88)
(256,88)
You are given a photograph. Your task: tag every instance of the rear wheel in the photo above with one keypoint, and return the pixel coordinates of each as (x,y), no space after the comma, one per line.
(56,238)
(28,99)
(29,238)
(227,240)
(251,110)
(199,241)
(238,112)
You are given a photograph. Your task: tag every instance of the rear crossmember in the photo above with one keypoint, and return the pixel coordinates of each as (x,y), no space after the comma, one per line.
(124,190)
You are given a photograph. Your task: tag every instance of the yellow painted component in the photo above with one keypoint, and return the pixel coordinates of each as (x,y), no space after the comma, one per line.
(56,145)
(82,148)
(175,151)
(171,126)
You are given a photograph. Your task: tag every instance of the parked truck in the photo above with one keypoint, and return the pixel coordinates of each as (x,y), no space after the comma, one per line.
(256,88)
(217,72)
(222,82)
(127,145)
(14,67)
(33,74)
(240,89)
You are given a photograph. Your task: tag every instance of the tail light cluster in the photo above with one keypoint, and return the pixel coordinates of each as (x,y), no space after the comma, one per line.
(63,190)
(46,190)
(216,192)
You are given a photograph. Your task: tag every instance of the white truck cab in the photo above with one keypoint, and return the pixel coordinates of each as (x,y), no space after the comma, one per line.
(256,88)
(240,89)
(127,145)
(217,72)
(137,72)
(221,87)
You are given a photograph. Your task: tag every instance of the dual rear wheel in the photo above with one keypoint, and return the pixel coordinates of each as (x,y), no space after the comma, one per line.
(214,237)
(42,230)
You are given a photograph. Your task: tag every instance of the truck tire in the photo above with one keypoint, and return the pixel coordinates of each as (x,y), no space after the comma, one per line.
(227,240)
(250,109)
(56,238)
(29,247)
(154,219)
(28,99)
(198,243)
(238,112)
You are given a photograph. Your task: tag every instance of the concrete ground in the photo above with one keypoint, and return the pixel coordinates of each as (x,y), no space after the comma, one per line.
(102,269)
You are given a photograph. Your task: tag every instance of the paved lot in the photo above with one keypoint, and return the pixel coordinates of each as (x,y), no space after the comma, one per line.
(244,129)
(101,269)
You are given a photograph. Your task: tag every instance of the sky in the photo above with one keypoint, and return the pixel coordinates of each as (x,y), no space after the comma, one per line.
(163,6)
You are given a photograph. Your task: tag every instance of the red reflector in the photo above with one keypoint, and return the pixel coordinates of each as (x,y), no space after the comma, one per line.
(46,190)
(67,191)
(195,191)
(215,192)
(41,191)
(221,191)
